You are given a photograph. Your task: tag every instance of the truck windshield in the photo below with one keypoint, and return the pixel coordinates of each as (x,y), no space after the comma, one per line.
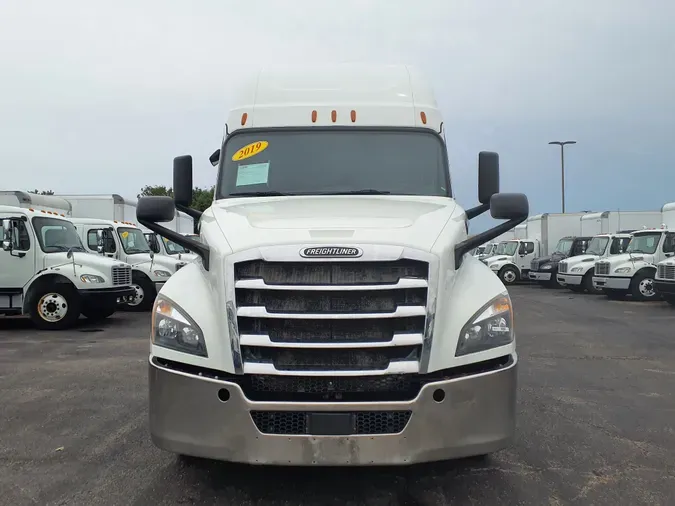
(564,246)
(334,162)
(172,248)
(133,240)
(597,246)
(644,243)
(510,248)
(501,248)
(56,235)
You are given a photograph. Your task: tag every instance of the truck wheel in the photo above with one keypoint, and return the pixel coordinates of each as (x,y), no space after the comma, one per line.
(577,288)
(509,275)
(587,283)
(145,294)
(642,287)
(100,312)
(54,306)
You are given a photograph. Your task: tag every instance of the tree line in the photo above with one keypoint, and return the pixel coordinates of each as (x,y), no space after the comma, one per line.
(201,197)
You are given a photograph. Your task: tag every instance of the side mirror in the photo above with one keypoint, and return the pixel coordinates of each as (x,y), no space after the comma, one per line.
(182,180)
(152,255)
(100,242)
(488,176)
(509,206)
(215,157)
(156,209)
(7,236)
(100,249)
(69,255)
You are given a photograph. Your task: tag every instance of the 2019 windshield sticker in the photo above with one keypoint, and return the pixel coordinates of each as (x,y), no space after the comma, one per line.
(250,150)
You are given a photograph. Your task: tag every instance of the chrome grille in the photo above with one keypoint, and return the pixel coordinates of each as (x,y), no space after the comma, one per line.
(121,275)
(534,265)
(562,267)
(324,317)
(602,268)
(666,272)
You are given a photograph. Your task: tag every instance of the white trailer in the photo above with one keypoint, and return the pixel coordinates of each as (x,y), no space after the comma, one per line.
(109,206)
(549,228)
(520,231)
(612,222)
(43,203)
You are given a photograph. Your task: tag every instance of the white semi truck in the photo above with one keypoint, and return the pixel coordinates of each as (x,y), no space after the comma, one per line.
(634,272)
(664,282)
(336,317)
(124,241)
(46,273)
(559,237)
(512,262)
(576,273)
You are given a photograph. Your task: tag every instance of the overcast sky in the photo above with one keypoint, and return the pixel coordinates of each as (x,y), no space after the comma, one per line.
(99,96)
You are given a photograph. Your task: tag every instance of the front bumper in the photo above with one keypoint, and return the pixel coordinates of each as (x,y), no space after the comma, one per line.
(96,294)
(540,276)
(664,287)
(611,283)
(570,279)
(477,416)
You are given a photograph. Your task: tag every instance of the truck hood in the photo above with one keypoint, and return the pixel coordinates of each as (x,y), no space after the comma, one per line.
(625,259)
(138,259)
(554,258)
(500,258)
(581,259)
(407,221)
(82,258)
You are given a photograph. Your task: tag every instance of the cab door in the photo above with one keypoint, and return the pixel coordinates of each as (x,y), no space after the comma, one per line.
(18,257)
(525,255)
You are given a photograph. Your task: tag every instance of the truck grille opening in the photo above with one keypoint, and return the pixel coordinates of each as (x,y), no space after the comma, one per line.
(331,273)
(665,272)
(121,276)
(360,422)
(281,330)
(602,268)
(562,267)
(316,302)
(293,359)
(534,265)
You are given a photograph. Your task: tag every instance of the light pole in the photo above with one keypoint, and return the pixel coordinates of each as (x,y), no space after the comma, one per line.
(562,145)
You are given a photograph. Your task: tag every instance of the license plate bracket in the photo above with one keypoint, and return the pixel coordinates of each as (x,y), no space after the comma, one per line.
(330,424)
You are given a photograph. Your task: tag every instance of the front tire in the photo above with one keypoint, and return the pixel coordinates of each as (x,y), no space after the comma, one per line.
(145,294)
(54,306)
(101,312)
(509,275)
(642,287)
(587,283)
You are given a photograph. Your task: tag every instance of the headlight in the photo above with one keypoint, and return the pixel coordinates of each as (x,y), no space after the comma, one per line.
(162,274)
(91,278)
(546,267)
(577,269)
(173,328)
(623,270)
(490,327)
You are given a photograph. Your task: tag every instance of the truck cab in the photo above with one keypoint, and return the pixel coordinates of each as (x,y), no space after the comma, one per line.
(544,269)
(124,241)
(576,273)
(166,247)
(633,272)
(664,282)
(488,251)
(513,264)
(336,317)
(47,274)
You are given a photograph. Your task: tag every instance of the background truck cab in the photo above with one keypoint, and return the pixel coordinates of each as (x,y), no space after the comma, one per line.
(514,264)
(633,272)
(166,247)
(46,273)
(576,272)
(126,242)
(545,269)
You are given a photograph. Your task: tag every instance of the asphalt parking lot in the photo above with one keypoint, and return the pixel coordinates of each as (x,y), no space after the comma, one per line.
(596,422)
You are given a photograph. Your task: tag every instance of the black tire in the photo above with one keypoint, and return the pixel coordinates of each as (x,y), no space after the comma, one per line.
(553,282)
(614,294)
(587,283)
(509,275)
(99,312)
(147,294)
(577,288)
(642,287)
(54,306)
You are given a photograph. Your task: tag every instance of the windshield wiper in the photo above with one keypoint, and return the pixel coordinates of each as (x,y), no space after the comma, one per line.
(268,193)
(133,251)
(365,191)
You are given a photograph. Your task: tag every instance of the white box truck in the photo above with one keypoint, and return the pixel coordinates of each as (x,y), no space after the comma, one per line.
(559,236)
(336,317)
(664,282)
(513,259)
(520,232)
(25,200)
(611,222)
(46,273)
